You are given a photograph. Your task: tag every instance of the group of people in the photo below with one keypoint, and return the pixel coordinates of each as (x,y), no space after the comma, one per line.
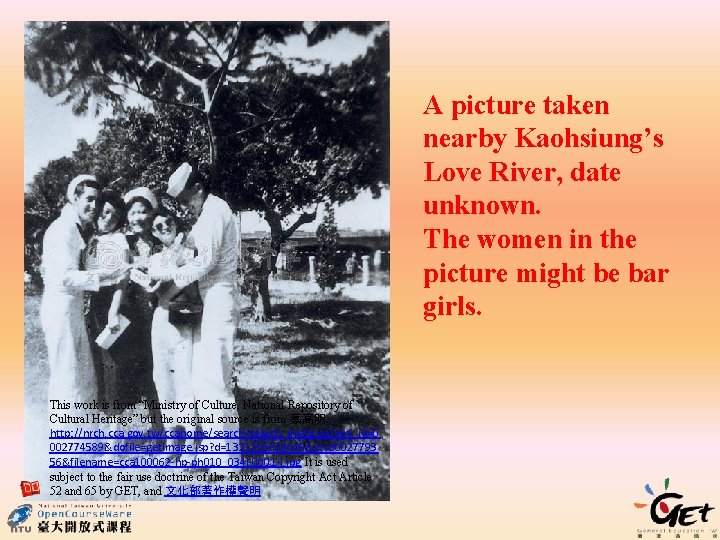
(128,252)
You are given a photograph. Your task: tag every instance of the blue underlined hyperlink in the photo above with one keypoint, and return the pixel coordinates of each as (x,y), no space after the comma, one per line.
(150,434)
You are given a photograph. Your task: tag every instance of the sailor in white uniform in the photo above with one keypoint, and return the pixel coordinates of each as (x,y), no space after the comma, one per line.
(214,235)
(72,374)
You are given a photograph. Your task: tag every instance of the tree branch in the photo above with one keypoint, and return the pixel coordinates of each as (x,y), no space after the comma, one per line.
(195,29)
(224,68)
(155,58)
(305,217)
(154,97)
(261,123)
(271,118)
(184,74)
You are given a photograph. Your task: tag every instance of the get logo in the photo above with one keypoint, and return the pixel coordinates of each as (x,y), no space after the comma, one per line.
(662,514)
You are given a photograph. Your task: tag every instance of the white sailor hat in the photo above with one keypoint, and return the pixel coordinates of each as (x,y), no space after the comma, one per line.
(178,180)
(143,192)
(75,182)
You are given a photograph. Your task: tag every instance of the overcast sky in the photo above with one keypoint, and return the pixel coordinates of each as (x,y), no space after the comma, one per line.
(52,131)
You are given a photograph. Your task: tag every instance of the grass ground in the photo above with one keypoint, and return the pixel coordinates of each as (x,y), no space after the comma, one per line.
(317,347)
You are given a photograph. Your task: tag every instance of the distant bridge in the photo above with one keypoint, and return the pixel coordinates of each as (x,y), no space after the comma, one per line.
(303,245)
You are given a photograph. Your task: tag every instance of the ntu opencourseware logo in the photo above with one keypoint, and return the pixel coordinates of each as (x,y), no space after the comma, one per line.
(662,513)
(19,516)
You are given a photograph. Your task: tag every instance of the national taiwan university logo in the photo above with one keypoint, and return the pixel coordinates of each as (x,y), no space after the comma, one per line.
(671,509)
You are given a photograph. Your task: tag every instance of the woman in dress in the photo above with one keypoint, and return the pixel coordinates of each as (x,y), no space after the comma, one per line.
(173,341)
(134,345)
(107,251)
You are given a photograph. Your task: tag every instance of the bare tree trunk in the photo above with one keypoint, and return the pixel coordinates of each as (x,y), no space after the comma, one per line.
(277,236)
(212,141)
(263,309)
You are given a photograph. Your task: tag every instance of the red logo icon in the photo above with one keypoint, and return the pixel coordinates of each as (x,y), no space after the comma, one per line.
(29,488)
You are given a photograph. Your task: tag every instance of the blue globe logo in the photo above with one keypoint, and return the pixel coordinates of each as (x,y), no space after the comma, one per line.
(19,515)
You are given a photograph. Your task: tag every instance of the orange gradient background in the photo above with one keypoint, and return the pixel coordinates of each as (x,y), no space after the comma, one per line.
(545,416)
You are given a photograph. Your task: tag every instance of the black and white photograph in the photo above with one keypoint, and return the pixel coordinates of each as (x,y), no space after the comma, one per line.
(207,260)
